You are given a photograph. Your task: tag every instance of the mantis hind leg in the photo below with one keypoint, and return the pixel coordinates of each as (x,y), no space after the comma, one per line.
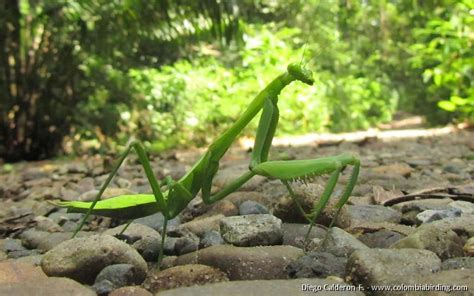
(148,171)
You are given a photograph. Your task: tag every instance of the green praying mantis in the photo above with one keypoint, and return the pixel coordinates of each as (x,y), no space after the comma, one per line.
(199,178)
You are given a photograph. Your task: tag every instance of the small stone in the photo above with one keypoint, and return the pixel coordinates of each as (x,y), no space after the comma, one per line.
(183,276)
(458,263)
(52,286)
(250,207)
(211,238)
(469,247)
(317,264)
(83,258)
(19,272)
(245,263)
(467,208)
(352,215)
(188,243)
(252,230)
(156,221)
(436,237)
(146,240)
(116,276)
(130,291)
(340,243)
(378,266)
(434,215)
(380,239)
(200,226)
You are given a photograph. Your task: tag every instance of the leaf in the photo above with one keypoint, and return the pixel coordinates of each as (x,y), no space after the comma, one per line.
(447,105)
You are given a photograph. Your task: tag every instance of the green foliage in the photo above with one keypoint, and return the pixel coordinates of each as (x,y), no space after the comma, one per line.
(445,53)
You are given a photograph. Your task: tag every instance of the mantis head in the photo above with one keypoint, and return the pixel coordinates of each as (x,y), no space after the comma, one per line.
(300,73)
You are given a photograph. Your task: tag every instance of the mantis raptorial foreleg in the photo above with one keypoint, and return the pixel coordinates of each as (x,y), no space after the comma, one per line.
(199,179)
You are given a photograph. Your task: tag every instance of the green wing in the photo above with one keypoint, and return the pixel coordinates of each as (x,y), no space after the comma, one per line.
(120,207)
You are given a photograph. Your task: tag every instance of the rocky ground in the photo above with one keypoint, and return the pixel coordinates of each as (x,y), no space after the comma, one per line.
(409,223)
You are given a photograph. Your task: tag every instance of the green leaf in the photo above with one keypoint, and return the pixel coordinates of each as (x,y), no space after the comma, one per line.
(447,105)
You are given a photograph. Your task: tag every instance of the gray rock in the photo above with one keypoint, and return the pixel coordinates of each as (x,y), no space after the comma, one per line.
(410,209)
(45,241)
(116,276)
(438,237)
(83,258)
(352,215)
(52,286)
(156,221)
(187,243)
(251,207)
(467,208)
(268,287)
(379,266)
(245,263)
(62,217)
(199,226)
(380,239)
(294,233)
(252,230)
(434,215)
(317,264)
(211,238)
(458,263)
(340,243)
(144,239)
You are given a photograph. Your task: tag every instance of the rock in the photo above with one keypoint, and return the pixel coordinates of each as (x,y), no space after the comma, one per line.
(146,240)
(211,238)
(183,276)
(245,263)
(294,233)
(188,242)
(379,266)
(46,224)
(52,286)
(130,291)
(467,208)
(436,237)
(156,221)
(340,243)
(34,260)
(200,226)
(250,207)
(62,217)
(396,168)
(45,241)
(116,276)
(380,239)
(434,215)
(469,247)
(268,287)
(317,264)
(83,258)
(458,263)
(352,215)
(251,230)
(18,272)
(410,209)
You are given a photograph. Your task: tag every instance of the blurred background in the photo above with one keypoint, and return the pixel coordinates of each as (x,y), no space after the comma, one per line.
(83,76)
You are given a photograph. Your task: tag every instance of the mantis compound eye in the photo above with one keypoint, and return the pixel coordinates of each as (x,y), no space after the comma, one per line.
(302,74)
